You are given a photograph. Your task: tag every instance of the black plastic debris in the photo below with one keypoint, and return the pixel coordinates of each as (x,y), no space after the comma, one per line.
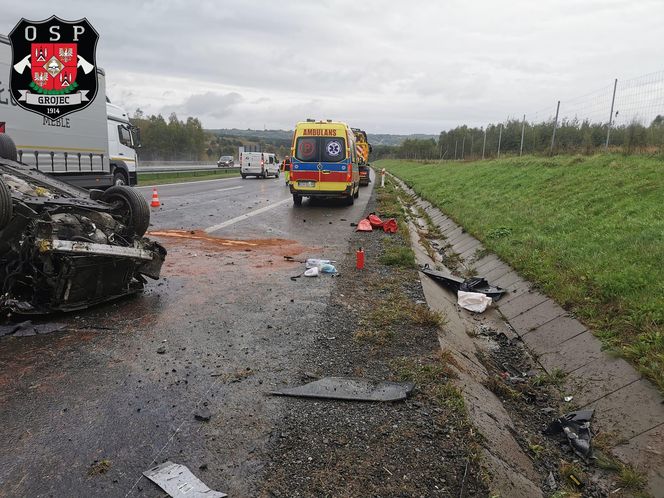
(27,328)
(473,284)
(353,389)
(576,428)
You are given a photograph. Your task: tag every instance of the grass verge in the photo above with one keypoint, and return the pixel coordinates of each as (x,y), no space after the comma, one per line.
(587,230)
(185,176)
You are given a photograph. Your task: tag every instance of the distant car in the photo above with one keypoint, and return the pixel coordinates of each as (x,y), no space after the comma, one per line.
(364,175)
(225,162)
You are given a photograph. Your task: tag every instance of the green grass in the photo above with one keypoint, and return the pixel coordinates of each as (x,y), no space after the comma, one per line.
(185,176)
(589,231)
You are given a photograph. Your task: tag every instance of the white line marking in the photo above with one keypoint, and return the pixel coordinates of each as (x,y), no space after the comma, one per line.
(242,217)
(228,188)
(189,183)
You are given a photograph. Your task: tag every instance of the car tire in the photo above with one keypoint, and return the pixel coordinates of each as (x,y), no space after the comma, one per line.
(136,212)
(7,148)
(243,176)
(276,175)
(350,200)
(357,193)
(297,200)
(120,178)
(5,204)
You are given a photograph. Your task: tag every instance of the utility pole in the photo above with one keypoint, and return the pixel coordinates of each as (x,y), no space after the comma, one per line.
(555,125)
(523,130)
(456,140)
(500,137)
(613,100)
(484,145)
(463,147)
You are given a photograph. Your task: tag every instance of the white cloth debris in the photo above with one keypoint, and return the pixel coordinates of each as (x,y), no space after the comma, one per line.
(473,301)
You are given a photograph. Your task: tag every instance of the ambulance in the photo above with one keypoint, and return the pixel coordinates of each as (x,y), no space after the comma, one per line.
(324,162)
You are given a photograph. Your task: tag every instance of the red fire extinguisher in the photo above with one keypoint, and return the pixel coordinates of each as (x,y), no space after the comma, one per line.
(359,259)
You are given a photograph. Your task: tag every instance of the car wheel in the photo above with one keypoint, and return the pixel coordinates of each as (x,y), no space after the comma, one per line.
(297,200)
(131,206)
(5,204)
(243,176)
(276,175)
(120,178)
(357,193)
(350,200)
(7,147)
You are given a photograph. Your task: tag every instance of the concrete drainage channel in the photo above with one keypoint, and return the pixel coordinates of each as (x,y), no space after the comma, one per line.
(629,411)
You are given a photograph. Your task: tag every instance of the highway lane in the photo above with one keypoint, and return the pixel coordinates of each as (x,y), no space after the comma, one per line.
(224,325)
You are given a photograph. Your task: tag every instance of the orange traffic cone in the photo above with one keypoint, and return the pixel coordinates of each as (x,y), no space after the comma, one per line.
(155,198)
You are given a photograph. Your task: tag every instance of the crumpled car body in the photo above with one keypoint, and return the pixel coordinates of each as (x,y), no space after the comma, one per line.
(63,248)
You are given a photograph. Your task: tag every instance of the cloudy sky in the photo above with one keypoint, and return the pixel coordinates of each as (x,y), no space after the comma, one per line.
(385,66)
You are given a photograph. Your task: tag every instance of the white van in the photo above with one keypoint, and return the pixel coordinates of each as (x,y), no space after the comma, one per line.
(258,164)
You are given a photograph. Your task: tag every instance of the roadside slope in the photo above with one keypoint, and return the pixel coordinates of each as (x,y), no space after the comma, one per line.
(587,231)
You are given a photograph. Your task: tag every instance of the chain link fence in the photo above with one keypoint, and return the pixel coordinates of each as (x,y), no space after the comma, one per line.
(623,116)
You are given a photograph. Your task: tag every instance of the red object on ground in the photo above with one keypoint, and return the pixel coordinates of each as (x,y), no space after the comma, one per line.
(390,226)
(359,259)
(375,221)
(155,198)
(364,226)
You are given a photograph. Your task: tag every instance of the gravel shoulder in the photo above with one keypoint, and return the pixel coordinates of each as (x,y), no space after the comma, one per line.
(375,325)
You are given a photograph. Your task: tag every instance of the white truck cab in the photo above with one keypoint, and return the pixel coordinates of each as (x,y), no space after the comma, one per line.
(122,138)
(258,164)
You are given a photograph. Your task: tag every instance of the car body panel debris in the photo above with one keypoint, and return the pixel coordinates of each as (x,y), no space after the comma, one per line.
(178,481)
(63,248)
(576,427)
(28,328)
(354,389)
(473,284)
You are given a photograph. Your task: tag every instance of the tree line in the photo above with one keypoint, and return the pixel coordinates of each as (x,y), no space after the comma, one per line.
(170,140)
(571,137)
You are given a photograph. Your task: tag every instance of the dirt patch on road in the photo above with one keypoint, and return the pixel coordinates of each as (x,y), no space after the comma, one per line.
(219,243)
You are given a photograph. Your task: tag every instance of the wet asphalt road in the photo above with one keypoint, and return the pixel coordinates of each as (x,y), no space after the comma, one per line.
(223,327)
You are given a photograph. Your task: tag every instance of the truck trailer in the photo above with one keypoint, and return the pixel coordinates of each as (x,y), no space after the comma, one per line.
(92,148)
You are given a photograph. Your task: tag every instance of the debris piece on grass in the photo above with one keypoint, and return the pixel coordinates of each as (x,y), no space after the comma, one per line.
(375,221)
(390,226)
(178,481)
(348,388)
(576,427)
(473,301)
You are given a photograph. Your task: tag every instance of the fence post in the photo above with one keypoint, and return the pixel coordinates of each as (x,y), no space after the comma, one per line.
(463,147)
(500,137)
(523,130)
(555,125)
(608,130)
(456,140)
(484,145)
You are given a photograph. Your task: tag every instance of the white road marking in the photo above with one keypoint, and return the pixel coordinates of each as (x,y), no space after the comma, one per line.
(228,188)
(189,183)
(245,216)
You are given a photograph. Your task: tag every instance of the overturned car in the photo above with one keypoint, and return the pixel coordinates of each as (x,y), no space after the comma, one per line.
(63,248)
